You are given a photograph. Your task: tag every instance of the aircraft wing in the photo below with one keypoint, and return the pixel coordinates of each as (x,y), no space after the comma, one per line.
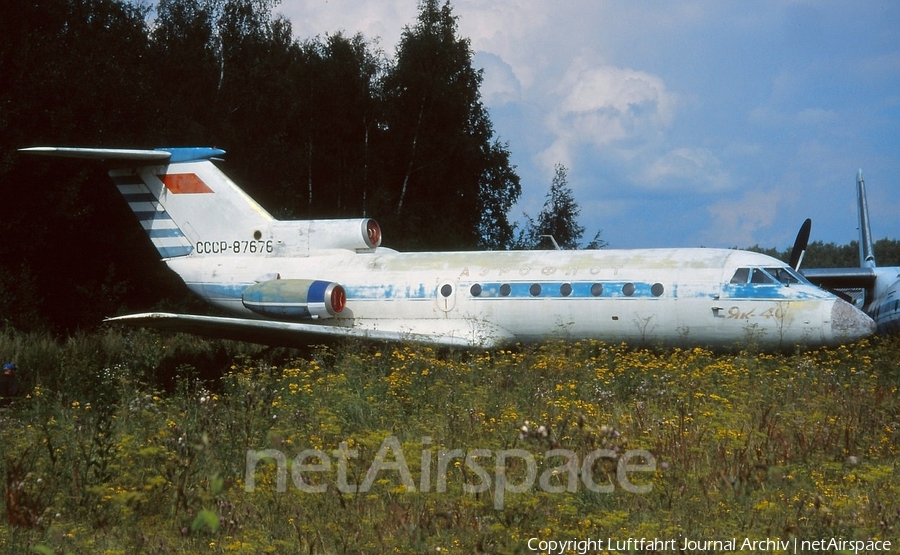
(454,333)
(841,278)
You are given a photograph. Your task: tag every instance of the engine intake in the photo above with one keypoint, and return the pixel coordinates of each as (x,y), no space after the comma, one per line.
(295,299)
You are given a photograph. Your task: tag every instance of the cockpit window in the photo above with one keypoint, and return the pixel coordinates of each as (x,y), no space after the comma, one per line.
(740,275)
(759,276)
(786,275)
(783,275)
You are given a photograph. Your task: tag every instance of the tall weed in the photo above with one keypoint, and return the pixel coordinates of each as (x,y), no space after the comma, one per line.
(132,441)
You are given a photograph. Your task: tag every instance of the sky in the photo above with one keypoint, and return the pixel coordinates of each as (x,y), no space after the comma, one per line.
(682,124)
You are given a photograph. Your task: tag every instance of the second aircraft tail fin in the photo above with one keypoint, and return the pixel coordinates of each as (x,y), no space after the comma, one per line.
(866,248)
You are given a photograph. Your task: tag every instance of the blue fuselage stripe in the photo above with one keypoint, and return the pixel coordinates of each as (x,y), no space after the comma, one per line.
(768,291)
(561,290)
(523,290)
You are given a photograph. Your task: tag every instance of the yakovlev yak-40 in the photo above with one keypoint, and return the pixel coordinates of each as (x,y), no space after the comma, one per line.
(295,281)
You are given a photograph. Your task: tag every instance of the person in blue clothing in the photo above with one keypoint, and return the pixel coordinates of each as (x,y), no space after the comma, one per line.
(9,385)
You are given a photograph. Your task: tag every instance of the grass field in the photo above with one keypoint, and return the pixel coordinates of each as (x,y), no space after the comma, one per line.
(132,442)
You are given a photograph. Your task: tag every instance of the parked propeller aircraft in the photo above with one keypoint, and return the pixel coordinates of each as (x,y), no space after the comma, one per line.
(292,281)
(880,285)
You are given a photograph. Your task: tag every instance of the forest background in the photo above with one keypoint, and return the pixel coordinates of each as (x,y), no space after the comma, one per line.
(125,441)
(323,127)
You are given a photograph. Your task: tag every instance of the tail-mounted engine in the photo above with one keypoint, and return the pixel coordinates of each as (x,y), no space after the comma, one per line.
(302,237)
(358,234)
(295,299)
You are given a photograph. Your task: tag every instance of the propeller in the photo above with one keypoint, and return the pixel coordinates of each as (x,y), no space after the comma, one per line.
(799,250)
(800,244)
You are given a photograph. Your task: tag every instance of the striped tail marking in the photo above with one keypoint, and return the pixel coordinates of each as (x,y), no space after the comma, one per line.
(165,234)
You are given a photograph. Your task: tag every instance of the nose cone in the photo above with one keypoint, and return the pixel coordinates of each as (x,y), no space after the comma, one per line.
(848,323)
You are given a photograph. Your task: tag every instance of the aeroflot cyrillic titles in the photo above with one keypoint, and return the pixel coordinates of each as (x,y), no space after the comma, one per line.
(295,281)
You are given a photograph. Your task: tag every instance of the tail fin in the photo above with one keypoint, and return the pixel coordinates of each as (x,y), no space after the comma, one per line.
(184,202)
(866,249)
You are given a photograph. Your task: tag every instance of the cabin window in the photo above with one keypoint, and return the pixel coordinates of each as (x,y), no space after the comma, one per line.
(628,289)
(597,289)
(535,289)
(446,290)
(475,290)
(657,289)
(565,289)
(740,275)
(505,290)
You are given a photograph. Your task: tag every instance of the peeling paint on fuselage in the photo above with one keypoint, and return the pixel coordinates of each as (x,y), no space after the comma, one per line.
(656,296)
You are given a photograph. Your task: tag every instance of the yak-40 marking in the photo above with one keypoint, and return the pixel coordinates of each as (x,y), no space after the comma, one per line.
(295,281)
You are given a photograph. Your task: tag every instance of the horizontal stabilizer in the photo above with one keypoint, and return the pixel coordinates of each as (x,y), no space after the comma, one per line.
(157,155)
(273,332)
(834,278)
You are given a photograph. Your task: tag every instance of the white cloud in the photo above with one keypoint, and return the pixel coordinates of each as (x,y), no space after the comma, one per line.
(695,168)
(499,85)
(383,20)
(630,93)
(694,97)
(500,25)
(526,34)
(737,222)
(599,105)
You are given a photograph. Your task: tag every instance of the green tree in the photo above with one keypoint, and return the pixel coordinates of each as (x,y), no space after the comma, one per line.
(831,255)
(558,219)
(499,191)
(322,128)
(337,131)
(443,161)
(74,72)
(186,58)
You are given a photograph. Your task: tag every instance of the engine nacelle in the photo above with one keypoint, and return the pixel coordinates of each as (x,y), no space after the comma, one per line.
(295,299)
(362,234)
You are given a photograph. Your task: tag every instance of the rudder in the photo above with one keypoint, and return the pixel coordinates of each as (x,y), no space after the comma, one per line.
(187,206)
(164,233)
(192,208)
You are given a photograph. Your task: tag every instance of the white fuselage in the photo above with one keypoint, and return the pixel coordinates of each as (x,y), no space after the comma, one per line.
(331,278)
(884,306)
(648,296)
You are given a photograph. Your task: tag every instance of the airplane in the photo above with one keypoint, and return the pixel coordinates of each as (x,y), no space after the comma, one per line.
(880,285)
(289,282)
